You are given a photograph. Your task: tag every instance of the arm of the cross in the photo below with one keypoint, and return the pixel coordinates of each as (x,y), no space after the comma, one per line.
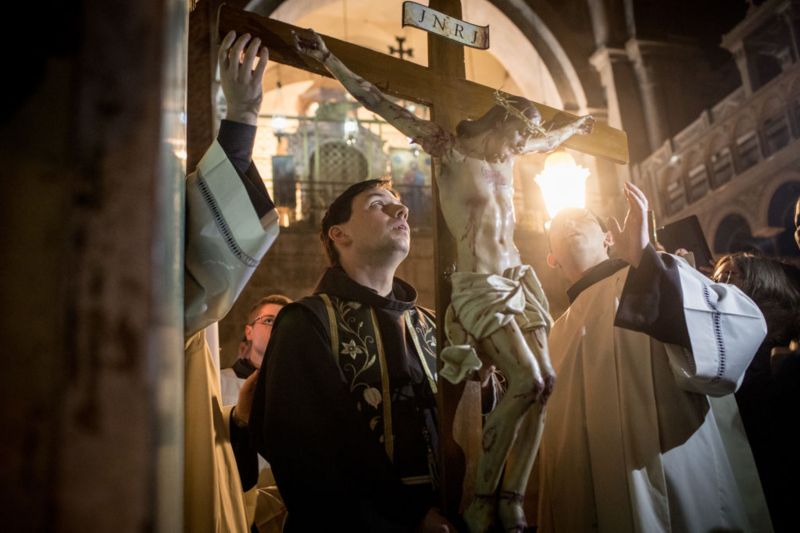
(551,139)
(428,134)
(407,80)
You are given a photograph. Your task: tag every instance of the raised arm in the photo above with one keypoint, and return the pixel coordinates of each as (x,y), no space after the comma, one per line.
(552,139)
(711,330)
(427,134)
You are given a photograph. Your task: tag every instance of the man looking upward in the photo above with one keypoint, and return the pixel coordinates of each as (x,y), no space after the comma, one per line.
(498,305)
(345,408)
(644,434)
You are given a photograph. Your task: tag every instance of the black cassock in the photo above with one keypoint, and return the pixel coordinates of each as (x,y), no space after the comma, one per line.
(331,467)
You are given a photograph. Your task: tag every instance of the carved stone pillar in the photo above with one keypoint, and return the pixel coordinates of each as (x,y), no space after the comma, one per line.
(740,56)
(624,102)
(656,123)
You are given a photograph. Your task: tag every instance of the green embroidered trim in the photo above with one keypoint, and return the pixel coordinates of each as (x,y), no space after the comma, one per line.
(356,345)
(332,326)
(415,334)
(388,436)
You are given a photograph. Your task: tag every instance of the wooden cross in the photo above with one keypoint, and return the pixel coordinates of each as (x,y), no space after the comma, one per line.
(400,51)
(441,86)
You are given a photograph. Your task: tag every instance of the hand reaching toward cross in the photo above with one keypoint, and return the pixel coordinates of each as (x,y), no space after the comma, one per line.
(632,238)
(240,77)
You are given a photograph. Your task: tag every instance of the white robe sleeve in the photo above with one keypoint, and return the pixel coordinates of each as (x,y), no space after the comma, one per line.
(725,329)
(225,240)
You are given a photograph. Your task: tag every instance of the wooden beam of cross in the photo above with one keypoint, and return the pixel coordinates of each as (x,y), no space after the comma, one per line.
(408,80)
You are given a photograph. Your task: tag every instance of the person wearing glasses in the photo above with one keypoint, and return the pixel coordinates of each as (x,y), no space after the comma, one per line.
(254,343)
(643,433)
(265,509)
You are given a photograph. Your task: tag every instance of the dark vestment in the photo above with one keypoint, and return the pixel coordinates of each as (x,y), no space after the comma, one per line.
(333,470)
(769,406)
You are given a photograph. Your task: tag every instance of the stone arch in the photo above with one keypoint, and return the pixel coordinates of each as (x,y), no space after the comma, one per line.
(733,234)
(696,175)
(747,143)
(720,141)
(774,124)
(672,189)
(745,124)
(769,187)
(720,158)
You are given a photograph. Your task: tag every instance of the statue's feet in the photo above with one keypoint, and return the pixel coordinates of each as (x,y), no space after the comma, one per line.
(480,514)
(512,515)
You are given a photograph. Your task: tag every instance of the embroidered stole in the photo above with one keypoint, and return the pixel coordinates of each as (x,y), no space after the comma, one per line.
(358,350)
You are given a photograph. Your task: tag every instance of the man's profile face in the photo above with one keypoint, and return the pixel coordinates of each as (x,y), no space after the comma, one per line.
(576,237)
(378,224)
(259,331)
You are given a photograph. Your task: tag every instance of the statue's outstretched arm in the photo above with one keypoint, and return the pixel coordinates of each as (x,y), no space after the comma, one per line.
(552,139)
(426,133)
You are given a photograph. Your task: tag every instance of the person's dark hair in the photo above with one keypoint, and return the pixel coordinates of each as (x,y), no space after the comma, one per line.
(498,113)
(278,299)
(770,285)
(339,212)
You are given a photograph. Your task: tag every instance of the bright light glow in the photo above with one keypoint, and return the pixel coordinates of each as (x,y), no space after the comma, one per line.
(278,123)
(350,127)
(563,183)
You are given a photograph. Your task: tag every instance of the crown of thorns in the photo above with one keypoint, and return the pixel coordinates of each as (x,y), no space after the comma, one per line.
(511,109)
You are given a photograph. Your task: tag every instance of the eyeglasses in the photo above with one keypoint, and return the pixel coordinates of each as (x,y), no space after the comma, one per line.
(264,320)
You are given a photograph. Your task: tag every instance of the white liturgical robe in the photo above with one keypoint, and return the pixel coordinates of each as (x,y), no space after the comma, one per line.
(225,241)
(644,435)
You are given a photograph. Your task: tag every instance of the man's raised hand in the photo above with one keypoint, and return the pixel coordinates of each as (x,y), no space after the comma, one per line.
(241,77)
(632,238)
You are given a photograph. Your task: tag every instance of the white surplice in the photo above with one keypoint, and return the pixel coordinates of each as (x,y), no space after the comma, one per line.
(225,241)
(645,436)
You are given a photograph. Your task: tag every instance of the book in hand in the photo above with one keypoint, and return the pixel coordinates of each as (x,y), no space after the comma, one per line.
(686,233)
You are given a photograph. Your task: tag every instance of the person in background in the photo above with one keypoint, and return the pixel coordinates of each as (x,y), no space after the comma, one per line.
(768,404)
(255,337)
(265,509)
(643,432)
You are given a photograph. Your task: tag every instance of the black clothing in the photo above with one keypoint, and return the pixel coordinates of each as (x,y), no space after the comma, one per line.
(237,140)
(331,470)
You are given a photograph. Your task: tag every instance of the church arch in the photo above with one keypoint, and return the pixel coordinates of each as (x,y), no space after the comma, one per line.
(734,235)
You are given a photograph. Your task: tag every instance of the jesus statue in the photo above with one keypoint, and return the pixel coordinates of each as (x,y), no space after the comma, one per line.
(498,308)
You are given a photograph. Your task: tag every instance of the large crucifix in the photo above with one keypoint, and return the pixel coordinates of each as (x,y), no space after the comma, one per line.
(443,87)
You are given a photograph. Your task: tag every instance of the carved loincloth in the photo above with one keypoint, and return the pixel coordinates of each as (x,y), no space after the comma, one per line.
(482,304)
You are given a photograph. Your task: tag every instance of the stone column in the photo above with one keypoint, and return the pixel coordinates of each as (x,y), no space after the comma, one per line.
(740,56)
(656,122)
